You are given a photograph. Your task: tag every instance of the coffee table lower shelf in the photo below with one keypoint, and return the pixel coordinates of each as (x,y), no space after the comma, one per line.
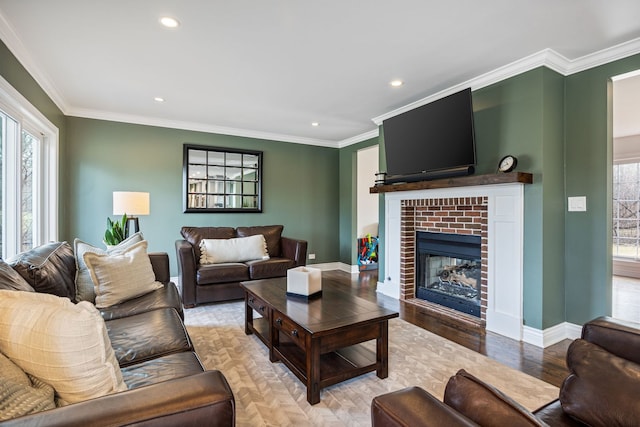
(335,366)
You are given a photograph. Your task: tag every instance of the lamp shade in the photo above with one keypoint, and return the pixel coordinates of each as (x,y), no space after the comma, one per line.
(131,203)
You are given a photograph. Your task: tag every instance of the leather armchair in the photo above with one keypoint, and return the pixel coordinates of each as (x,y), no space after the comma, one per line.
(601,390)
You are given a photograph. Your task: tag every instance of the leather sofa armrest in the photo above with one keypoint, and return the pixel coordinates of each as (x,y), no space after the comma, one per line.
(484,404)
(294,249)
(160,264)
(618,337)
(187,269)
(413,406)
(200,399)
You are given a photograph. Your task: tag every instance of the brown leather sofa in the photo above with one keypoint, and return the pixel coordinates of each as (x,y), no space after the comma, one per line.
(167,384)
(601,390)
(203,283)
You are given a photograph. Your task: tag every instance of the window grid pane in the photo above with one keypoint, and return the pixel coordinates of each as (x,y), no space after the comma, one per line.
(28,150)
(626,210)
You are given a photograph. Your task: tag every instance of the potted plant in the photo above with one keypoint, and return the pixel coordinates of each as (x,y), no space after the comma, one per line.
(116,231)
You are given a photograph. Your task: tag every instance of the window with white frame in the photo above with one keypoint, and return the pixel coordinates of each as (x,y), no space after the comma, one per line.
(626,210)
(28,174)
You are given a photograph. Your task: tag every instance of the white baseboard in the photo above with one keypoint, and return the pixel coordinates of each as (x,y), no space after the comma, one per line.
(551,335)
(389,289)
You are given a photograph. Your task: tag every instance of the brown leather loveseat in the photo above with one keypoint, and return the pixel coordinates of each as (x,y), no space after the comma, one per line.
(601,390)
(202,283)
(165,380)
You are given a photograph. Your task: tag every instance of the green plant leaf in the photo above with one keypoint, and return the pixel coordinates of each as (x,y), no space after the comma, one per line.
(114,233)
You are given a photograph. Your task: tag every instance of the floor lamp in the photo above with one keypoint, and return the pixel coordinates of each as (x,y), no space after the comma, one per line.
(132,204)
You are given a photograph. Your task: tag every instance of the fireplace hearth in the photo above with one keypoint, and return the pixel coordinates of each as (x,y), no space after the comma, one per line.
(449,270)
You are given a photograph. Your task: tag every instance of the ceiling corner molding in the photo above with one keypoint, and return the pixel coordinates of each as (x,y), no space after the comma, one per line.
(198,127)
(358,138)
(14,44)
(548,58)
(604,56)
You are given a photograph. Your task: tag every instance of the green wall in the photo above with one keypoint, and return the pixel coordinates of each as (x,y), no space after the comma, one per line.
(588,156)
(300,186)
(523,116)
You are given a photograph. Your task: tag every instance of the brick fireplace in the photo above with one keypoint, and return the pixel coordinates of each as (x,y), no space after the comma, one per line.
(489,209)
(452,215)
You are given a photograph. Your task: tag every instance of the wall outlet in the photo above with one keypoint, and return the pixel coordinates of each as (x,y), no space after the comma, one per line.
(312,256)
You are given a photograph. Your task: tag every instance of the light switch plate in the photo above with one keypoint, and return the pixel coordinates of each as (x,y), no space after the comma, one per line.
(577,204)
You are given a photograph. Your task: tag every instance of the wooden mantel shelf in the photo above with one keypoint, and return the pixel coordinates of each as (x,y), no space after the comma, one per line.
(464,181)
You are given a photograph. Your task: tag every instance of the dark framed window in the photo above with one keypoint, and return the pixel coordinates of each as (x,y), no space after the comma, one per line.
(220,179)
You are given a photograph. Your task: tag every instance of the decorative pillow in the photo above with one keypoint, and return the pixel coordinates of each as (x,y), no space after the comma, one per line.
(121,276)
(21,395)
(63,344)
(194,235)
(602,389)
(240,249)
(272,234)
(84,284)
(49,269)
(12,280)
(485,404)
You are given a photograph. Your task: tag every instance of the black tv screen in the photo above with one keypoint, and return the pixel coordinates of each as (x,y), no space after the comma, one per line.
(436,137)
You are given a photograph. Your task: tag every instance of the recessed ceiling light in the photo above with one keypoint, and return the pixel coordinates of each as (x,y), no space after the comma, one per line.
(169,22)
(158,99)
(315,124)
(396,83)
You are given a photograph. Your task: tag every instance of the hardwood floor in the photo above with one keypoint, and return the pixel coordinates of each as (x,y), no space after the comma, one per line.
(546,364)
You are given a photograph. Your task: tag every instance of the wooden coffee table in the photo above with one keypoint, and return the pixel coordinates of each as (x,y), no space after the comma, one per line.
(319,340)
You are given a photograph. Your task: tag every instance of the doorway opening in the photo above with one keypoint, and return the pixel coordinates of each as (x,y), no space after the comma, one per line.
(626,196)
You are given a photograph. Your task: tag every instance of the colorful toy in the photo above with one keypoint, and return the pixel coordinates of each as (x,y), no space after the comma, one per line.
(367,252)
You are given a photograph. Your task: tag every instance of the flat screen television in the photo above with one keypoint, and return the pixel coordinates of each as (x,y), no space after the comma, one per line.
(435,140)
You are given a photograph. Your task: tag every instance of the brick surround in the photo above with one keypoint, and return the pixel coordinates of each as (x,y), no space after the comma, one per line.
(456,215)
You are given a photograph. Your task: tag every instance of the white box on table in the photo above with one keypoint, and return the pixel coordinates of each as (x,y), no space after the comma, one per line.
(304,281)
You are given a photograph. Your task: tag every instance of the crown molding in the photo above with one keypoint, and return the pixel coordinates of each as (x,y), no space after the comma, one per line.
(358,138)
(198,127)
(14,44)
(548,58)
(604,56)
(545,57)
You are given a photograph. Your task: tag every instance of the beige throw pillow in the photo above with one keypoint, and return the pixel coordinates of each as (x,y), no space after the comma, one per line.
(21,395)
(63,344)
(121,276)
(240,249)
(84,284)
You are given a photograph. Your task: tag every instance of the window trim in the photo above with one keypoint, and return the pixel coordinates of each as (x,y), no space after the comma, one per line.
(14,104)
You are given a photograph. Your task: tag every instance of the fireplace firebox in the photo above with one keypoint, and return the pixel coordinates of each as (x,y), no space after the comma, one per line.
(448,270)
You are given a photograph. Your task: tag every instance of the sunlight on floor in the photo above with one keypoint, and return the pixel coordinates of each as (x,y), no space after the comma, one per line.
(626,298)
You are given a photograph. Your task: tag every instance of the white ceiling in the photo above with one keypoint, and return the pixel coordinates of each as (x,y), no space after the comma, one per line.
(270,68)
